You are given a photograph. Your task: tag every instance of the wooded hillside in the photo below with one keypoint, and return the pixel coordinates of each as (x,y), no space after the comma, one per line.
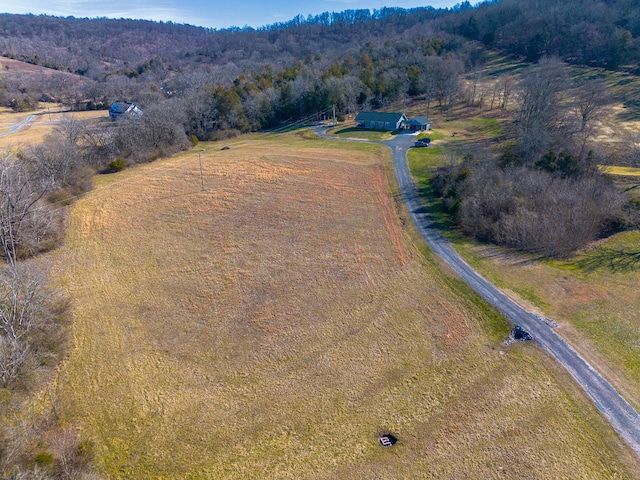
(541,71)
(201,84)
(352,59)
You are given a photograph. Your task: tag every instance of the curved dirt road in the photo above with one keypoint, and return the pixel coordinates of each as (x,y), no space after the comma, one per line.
(616,409)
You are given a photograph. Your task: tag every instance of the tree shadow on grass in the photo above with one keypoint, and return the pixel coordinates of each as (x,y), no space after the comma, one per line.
(438,219)
(611,259)
(510,255)
(631,109)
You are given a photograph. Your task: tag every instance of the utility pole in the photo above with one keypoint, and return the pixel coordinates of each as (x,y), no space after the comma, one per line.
(334,115)
(201,174)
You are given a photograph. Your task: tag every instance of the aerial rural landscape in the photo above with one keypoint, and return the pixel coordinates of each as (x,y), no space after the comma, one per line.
(395,243)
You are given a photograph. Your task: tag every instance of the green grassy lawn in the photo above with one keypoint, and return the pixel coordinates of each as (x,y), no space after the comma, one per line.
(487,127)
(497,64)
(361,133)
(594,297)
(422,161)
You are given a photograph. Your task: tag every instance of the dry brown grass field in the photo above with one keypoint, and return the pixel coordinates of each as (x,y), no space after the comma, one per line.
(274,324)
(42,124)
(593,296)
(9,65)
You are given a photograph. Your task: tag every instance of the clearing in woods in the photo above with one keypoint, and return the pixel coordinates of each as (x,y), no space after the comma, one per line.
(275,324)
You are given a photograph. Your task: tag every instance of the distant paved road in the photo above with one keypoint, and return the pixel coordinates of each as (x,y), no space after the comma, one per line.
(17,126)
(622,416)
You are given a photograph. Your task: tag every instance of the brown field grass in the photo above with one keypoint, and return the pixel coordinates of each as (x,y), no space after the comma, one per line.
(42,124)
(9,65)
(274,324)
(593,296)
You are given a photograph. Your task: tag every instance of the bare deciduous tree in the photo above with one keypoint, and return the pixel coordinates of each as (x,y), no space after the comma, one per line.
(526,208)
(506,83)
(70,129)
(590,100)
(541,106)
(21,193)
(540,94)
(25,311)
(14,354)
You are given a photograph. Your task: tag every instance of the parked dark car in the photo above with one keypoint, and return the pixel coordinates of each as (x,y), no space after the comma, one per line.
(423,142)
(521,334)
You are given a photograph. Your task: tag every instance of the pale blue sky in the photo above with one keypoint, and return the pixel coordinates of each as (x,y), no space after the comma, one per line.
(215,13)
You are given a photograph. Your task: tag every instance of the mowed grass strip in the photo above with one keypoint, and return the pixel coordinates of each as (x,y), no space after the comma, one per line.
(619,170)
(274,324)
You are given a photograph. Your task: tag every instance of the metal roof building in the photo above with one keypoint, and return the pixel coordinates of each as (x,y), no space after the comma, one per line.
(391,121)
(381,120)
(118,109)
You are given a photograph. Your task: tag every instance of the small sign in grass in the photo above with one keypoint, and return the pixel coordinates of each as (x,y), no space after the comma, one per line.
(387,440)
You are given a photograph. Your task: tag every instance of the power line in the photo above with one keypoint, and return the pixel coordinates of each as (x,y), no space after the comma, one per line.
(303,122)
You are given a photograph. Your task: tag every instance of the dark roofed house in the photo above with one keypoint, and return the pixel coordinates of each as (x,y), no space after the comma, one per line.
(418,124)
(118,109)
(381,120)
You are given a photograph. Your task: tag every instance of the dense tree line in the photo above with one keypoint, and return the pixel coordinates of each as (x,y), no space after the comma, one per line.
(101,47)
(600,33)
(245,79)
(548,211)
(36,185)
(251,99)
(239,80)
(584,32)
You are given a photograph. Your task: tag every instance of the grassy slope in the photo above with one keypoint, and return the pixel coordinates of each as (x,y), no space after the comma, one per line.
(40,126)
(594,296)
(625,171)
(274,324)
(361,134)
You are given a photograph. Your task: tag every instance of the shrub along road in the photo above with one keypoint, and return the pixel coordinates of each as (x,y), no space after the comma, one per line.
(616,409)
